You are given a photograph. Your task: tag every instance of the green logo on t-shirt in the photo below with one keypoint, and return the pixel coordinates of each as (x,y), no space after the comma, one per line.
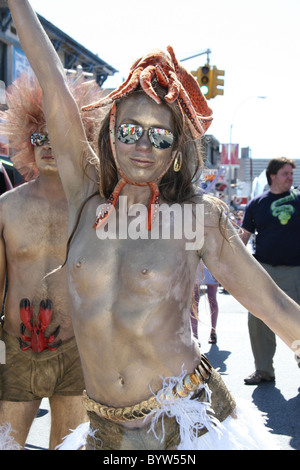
(283,211)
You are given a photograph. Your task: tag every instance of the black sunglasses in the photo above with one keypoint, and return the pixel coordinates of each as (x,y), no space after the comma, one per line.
(159,138)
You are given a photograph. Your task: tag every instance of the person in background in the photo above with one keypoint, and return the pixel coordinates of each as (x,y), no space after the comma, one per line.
(42,358)
(205,278)
(274,217)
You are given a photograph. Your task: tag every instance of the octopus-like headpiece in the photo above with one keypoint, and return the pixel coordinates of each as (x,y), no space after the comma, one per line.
(25,115)
(181,86)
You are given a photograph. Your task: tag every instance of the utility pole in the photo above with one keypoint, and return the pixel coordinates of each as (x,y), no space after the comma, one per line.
(207,51)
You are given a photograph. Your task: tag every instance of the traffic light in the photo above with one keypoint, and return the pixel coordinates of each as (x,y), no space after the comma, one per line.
(216,82)
(209,80)
(204,78)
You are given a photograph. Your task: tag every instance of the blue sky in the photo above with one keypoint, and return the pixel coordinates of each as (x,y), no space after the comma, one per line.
(256,42)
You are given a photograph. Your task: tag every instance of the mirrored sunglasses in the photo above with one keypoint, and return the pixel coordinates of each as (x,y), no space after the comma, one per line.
(37,139)
(159,138)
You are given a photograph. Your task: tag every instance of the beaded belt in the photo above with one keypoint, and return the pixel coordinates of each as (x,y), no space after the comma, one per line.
(190,383)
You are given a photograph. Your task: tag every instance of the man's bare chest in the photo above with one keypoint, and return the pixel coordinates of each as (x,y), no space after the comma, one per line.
(36,233)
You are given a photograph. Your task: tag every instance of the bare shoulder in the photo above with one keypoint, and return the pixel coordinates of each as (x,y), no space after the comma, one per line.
(11,195)
(14,199)
(219,233)
(19,191)
(215,210)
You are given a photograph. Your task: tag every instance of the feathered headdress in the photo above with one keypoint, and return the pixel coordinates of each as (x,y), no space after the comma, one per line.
(25,116)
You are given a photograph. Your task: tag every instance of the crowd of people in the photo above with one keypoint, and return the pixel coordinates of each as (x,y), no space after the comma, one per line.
(121,292)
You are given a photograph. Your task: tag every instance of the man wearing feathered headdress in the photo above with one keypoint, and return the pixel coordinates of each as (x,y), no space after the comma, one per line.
(42,360)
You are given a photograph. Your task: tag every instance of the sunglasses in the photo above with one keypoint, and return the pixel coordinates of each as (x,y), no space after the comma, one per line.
(159,138)
(37,139)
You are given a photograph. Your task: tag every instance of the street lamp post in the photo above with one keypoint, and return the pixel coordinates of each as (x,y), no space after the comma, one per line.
(230,142)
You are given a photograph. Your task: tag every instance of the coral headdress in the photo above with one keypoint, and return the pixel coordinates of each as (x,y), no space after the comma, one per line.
(180,85)
(25,116)
(168,71)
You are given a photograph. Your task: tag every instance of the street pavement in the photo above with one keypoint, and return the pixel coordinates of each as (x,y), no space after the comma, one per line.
(232,357)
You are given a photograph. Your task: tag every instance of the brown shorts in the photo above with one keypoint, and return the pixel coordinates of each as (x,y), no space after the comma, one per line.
(28,376)
(108,435)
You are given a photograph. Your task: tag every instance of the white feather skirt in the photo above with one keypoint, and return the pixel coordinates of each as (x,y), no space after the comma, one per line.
(7,441)
(246,431)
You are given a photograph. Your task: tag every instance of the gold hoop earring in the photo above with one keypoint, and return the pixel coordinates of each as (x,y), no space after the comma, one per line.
(177,162)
